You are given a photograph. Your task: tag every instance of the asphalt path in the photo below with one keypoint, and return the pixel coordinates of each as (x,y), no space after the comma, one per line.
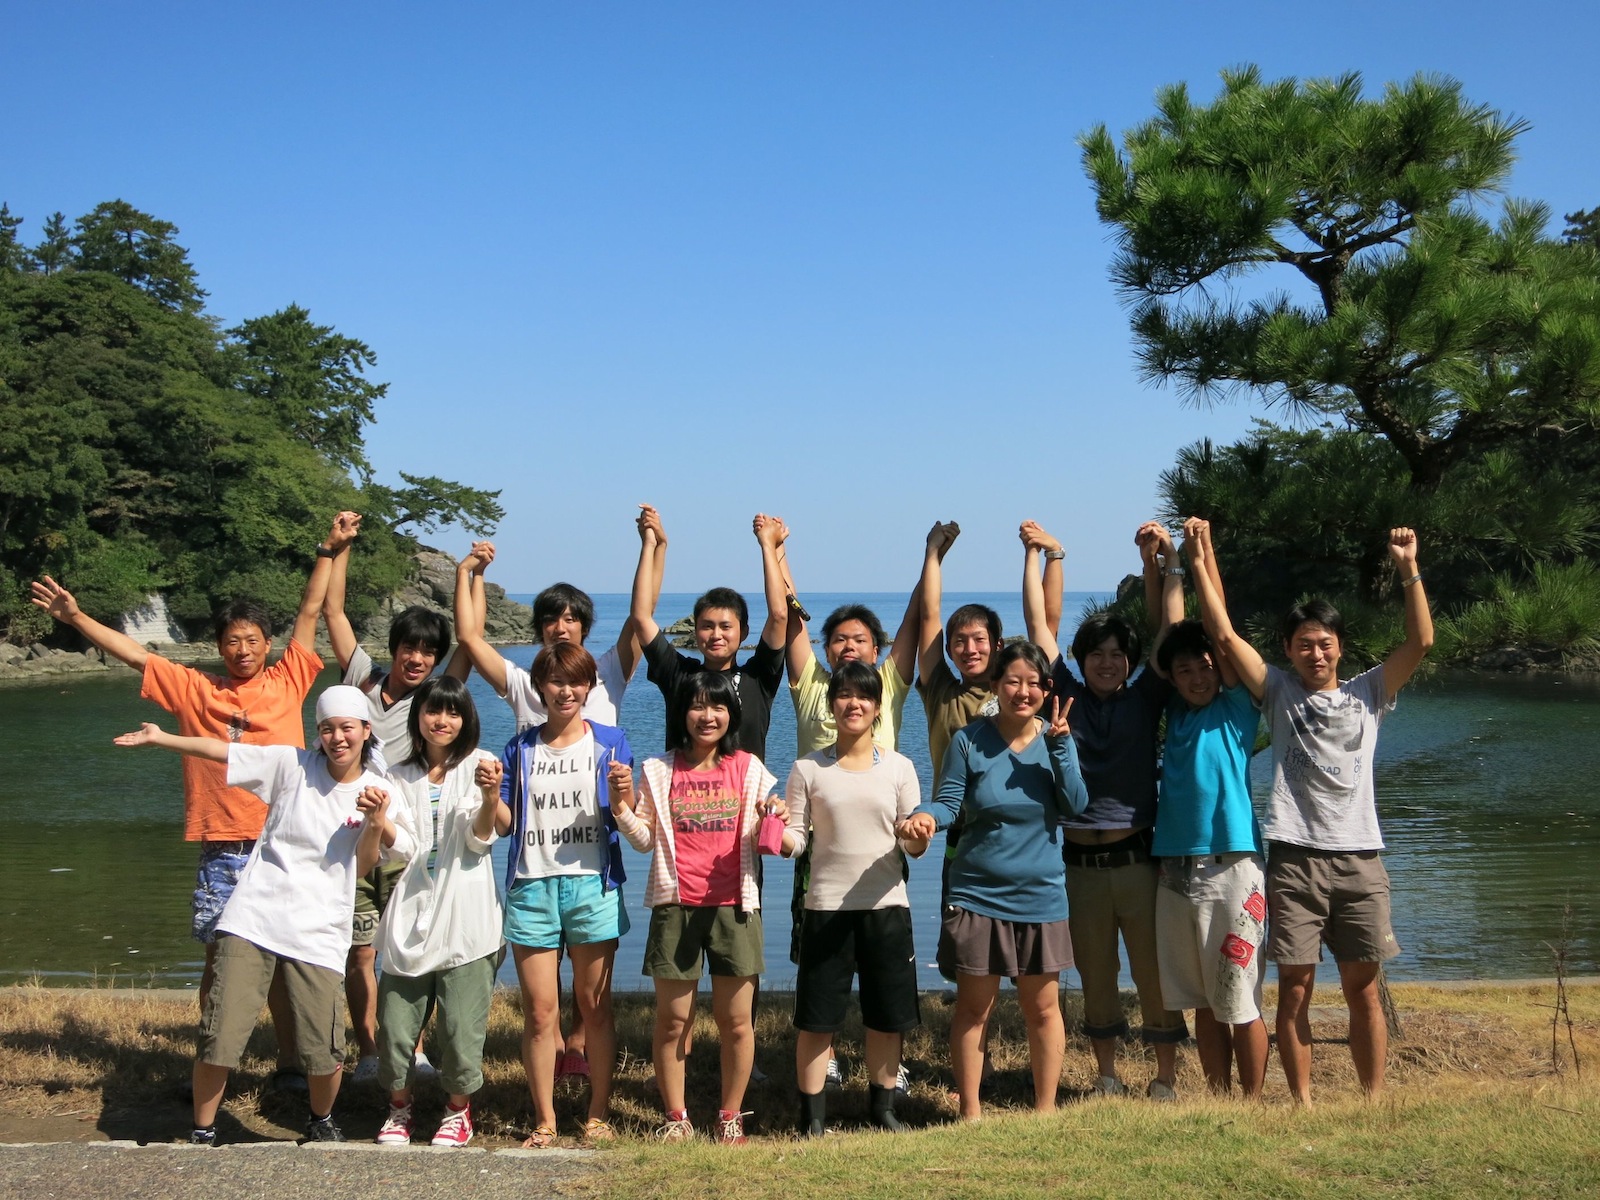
(283,1171)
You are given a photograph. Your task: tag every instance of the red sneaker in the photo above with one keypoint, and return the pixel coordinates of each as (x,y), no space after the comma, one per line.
(456,1128)
(396,1130)
(730,1127)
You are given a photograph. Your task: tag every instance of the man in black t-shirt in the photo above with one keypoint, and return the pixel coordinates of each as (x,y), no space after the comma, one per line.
(721,623)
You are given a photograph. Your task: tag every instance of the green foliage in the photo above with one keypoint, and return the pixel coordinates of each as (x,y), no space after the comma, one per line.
(1413,316)
(141,451)
(1583,228)
(1558,609)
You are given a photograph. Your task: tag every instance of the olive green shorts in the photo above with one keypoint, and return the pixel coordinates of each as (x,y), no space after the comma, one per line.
(372,896)
(728,940)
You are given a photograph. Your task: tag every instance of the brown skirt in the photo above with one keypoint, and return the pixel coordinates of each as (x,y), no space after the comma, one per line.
(970,944)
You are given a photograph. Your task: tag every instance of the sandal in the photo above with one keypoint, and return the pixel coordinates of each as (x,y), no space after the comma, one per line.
(541,1138)
(595,1130)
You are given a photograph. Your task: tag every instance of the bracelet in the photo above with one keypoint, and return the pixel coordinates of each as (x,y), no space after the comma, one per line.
(1054,555)
(1179,571)
(1417,578)
(327,552)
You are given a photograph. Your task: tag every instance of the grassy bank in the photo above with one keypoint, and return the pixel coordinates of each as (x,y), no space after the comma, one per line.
(1475,1106)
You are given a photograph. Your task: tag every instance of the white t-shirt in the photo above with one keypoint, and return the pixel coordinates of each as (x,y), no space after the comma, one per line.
(605,698)
(1322,749)
(564,833)
(297,892)
(389,725)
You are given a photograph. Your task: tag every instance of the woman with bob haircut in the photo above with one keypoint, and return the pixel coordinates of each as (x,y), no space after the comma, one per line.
(1013,778)
(698,814)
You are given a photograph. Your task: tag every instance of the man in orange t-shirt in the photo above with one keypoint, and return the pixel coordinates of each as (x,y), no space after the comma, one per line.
(252,703)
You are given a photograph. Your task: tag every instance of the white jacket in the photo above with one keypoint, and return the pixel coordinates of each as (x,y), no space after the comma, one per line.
(455,917)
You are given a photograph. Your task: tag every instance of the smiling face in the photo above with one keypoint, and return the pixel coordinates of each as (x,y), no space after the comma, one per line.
(562,628)
(1313,650)
(707,723)
(853,713)
(1019,690)
(243,647)
(1195,678)
(1106,667)
(342,740)
(440,727)
(563,696)
(850,641)
(972,651)
(413,663)
(716,632)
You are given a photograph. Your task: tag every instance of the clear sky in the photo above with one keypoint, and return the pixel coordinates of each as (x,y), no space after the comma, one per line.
(834,261)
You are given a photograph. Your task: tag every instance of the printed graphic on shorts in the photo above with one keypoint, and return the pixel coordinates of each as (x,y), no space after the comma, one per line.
(563,833)
(1255,906)
(1238,951)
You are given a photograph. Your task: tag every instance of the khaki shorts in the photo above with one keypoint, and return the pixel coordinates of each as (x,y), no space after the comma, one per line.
(1327,897)
(727,940)
(239,989)
(372,896)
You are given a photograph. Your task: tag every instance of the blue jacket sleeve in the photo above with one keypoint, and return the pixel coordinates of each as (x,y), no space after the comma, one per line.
(1071,796)
(945,805)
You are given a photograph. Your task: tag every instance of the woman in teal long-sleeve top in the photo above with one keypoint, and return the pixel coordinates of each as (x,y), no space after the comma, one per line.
(1014,778)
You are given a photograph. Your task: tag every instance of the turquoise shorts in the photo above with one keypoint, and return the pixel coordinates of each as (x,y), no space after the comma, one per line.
(571,909)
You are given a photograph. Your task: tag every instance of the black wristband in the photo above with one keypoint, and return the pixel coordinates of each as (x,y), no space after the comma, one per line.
(327,552)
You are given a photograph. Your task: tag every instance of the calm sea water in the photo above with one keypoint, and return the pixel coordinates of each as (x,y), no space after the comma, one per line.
(1483,783)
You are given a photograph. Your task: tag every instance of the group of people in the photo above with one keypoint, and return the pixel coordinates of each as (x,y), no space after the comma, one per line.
(1080,807)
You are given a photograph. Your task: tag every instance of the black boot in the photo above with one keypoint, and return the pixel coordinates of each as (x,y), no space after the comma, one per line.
(880,1101)
(813,1114)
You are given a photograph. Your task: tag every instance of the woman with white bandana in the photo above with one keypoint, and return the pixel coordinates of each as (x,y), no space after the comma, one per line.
(326,825)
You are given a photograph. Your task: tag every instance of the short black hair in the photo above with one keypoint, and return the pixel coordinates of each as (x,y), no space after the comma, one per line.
(856,678)
(1317,611)
(1098,628)
(1024,649)
(709,687)
(450,694)
(419,626)
(242,612)
(855,612)
(556,599)
(973,614)
(721,597)
(1186,637)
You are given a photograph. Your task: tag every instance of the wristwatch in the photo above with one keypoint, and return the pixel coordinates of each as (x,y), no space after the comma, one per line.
(1054,555)
(327,552)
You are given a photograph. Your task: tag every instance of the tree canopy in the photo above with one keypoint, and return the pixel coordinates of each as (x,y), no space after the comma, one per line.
(141,450)
(1404,309)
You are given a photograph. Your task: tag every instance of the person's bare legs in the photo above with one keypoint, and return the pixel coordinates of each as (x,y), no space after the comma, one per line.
(674,1015)
(537,974)
(883,1058)
(811,1052)
(1250,1049)
(1369,1032)
(1040,999)
(361,993)
(591,993)
(733,1006)
(1214,1044)
(975,997)
(209,1084)
(1295,985)
(1167,1063)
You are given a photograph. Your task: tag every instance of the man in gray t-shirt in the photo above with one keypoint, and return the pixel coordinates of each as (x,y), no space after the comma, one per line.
(1326,884)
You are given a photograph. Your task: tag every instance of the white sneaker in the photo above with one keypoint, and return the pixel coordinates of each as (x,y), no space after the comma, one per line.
(396,1130)
(366,1070)
(1109,1085)
(902,1081)
(1161,1091)
(423,1071)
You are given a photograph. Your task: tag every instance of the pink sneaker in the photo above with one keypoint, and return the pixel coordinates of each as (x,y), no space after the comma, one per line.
(456,1128)
(730,1127)
(396,1130)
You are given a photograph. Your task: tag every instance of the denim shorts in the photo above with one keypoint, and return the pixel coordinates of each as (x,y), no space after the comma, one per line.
(214,881)
(573,909)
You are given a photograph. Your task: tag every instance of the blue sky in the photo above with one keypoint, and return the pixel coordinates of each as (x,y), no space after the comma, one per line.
(833,261)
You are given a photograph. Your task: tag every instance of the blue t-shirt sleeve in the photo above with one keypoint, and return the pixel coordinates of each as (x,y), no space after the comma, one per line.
(1071,797)
(945,804)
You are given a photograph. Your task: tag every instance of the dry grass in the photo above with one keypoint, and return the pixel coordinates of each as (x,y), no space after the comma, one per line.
(114,1060)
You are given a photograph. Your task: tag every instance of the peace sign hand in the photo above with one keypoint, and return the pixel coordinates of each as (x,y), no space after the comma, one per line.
(1059,726)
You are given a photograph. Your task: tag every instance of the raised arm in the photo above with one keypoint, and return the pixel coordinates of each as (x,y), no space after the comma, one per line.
(1163,582)
(930,636)
(305,621)
(60,604)
(1054,582)
(1036,590)
(1405,658)
(647,583)
(797,638)
(903,650)
(1237,654)
(211,749)
(652,565)
(470,616)
(771,533)
(341,636)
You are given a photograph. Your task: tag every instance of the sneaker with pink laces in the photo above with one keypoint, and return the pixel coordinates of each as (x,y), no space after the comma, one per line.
(396,1130)
(456,1128)
(730,1127)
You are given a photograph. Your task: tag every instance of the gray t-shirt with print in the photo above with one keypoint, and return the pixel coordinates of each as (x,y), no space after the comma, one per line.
(389,724)
(1322,749)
